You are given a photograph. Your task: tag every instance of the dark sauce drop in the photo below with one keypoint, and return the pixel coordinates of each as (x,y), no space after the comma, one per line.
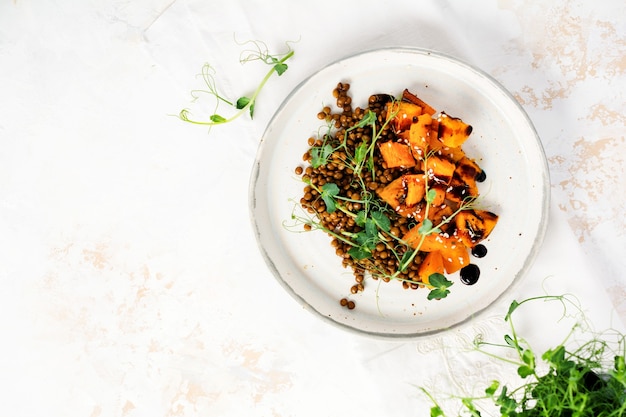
(481,176)
(479,251)
(470,274)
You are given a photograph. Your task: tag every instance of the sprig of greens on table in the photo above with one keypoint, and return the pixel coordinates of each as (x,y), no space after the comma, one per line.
(244,104)
(588,380)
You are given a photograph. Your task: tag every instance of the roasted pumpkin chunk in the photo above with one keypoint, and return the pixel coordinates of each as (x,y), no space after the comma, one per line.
(439,213)
(419,135)
(455,258)
(415,189)
(452,131)
(432,264)
(451,154)
(396,155)
(402,114)
(439,193)
(393,193)
(468,170)
(429,242)
(412,98)
(405,195)
(473,226)
(440,169)
(458,191)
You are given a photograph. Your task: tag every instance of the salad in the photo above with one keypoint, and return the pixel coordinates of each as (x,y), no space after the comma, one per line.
(391,186)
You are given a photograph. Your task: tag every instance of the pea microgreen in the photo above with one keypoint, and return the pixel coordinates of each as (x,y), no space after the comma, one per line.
(320,155)
(584,379)
(329,192)
(427,227)
(244,104)
(439,284)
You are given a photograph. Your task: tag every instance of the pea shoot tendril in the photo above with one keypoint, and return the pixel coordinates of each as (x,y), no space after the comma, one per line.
(258,51)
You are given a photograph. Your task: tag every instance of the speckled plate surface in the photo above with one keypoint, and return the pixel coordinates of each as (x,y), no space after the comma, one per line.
(504,142)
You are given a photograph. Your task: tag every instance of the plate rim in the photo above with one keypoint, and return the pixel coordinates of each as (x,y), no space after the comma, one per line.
(539,233)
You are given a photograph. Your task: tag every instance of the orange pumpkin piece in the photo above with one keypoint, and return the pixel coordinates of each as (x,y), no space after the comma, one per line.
(415,189)
(458,191)
(412,98)
(440,196)
(432,264)
(435,144)
(413,238)
(473,226)
(453,252)
(403,195)
(438,213)
(452,131)
(416,212)
(432,242)
(467,170)
(455,257)
(440,168)
(419,135)
(396,155)
(402,114)
(393,193)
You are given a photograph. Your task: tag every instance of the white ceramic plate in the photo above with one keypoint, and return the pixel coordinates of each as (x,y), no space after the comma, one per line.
(503,142)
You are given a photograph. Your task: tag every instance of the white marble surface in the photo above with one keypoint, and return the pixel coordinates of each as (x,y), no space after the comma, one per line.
(131,284)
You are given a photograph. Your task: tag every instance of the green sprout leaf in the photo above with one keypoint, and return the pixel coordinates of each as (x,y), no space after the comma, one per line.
(507,403)
(430,196)
(280,68)
(438,294)
(329,192)
(360,153)
(555,356)
(360,218)
(251,106)
(528,357)
(242,102)
(512,308)
(436,411)
(440,285)
(216,118)
(359,253)
(620,365)
(319,155)
(524,371)
(426,227)
(469,405)
(381,220)
(370,228)
(362,239)
(439,280)
(366,240)
(406,260)
(491,390)
(368,118)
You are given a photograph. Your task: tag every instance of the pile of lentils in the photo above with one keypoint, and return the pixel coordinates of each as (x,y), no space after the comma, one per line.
(384,261)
